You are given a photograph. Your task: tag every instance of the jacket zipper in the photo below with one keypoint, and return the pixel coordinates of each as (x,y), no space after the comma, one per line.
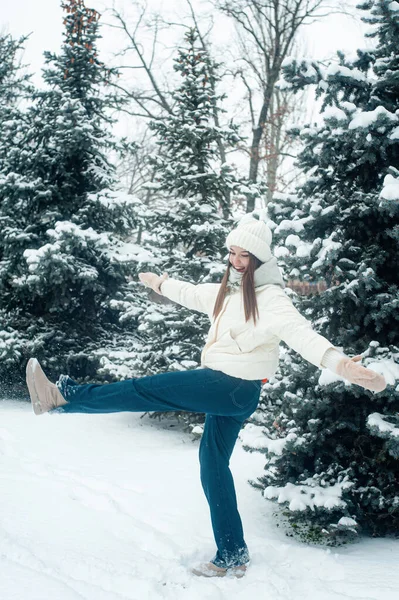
(209,344)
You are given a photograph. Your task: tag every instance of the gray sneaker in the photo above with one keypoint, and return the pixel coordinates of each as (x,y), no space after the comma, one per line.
(44,395)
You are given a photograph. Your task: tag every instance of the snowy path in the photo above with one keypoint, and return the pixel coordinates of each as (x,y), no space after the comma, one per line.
(110,508)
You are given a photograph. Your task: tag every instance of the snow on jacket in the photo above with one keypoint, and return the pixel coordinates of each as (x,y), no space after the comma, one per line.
(244,349)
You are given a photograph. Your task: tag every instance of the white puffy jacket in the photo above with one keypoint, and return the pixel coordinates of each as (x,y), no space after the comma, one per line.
(243,349)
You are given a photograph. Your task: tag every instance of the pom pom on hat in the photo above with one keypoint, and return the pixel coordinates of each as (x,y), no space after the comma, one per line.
(253,235)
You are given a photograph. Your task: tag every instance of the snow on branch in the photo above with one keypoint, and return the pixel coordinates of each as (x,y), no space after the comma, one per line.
(309,495)
(385,429)
(368,118)
(390,190)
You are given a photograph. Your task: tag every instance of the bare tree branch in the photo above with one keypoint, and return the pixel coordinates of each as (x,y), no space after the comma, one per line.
(159,96)
(250,94)
(266,31)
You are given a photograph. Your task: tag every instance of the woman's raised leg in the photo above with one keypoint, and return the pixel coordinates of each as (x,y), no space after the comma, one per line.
(200,390)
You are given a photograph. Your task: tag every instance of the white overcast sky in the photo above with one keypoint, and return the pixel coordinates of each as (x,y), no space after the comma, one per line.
(43,20)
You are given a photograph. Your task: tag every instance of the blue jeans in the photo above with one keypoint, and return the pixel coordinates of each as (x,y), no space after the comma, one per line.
(227,402)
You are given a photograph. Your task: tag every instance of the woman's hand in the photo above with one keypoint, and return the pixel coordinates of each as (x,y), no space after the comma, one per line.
(153,281)
(355,373)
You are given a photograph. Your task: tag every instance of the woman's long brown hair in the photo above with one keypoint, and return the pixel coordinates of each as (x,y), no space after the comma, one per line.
(248,290)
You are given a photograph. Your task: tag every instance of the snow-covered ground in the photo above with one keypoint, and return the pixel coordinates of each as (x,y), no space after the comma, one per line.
(110,507)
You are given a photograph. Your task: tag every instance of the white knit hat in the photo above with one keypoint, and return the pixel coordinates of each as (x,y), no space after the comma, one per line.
(254,236)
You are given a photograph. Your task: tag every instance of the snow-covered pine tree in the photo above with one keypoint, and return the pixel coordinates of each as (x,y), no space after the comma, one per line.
(14,87)
(333,449)
(14,184)
(58,272)
(188,230)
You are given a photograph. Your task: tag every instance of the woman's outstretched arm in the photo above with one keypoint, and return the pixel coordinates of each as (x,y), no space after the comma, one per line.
(297,332)
(199,297)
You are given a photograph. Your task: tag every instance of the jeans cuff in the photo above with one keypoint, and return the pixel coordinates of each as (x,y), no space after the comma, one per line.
(240,557)
(66,385)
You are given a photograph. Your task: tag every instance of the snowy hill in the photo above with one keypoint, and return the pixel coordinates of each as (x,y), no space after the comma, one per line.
(110,508)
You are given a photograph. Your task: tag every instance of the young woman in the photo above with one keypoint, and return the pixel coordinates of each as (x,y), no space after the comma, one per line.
(249,314)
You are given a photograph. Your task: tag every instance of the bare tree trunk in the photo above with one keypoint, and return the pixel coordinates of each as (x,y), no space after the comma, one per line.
(273,145)
(257,135)
(275,139)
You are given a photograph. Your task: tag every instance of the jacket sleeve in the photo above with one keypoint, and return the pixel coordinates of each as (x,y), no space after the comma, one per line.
(199,297)
(287,323)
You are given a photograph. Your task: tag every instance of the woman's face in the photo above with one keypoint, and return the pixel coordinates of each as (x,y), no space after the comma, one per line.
(239,258)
